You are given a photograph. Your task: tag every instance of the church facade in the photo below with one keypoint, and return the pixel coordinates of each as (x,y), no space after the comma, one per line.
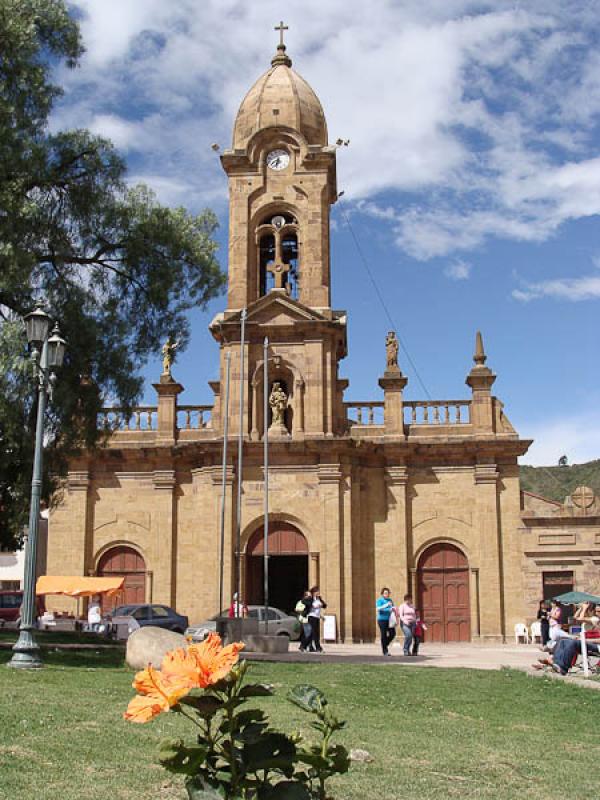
(419,496)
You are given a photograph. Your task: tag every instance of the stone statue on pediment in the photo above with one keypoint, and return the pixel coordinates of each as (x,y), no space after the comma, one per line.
(278,402)
(391,350)
(168,353)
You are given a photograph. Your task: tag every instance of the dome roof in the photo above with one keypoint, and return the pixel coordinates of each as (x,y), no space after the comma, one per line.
(280,97)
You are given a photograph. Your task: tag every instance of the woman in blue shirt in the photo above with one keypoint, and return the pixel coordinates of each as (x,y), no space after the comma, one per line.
(385,607)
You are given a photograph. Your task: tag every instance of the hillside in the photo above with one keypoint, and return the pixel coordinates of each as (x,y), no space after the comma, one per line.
(556,483)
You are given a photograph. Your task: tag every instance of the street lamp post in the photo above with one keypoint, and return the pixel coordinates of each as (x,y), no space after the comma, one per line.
(47,353)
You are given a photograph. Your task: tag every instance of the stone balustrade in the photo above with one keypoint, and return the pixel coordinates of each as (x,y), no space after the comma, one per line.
(365,413)
(142,418)
(437,412)
(192,418)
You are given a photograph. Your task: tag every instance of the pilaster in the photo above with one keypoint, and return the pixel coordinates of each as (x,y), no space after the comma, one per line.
(490,557)
(332,538)
(165,531)
(393,548)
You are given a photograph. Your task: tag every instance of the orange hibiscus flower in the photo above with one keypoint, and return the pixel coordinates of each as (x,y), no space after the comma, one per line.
(202,664)
(157,693)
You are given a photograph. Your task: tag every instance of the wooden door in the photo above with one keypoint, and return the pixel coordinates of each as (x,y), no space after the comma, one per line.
(127,563)
(443,594)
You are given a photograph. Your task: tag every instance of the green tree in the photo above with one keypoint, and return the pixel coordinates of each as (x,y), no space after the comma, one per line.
(117,269)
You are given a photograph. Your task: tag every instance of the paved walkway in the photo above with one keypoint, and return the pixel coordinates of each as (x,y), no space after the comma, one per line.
(470,656)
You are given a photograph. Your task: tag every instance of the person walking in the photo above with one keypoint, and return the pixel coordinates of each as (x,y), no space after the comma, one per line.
(542,615)
(314,617)
(303,606)
(386,619)
(418,634)
(407,616)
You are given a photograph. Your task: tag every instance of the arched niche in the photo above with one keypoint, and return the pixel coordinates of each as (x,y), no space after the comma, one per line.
(292,382)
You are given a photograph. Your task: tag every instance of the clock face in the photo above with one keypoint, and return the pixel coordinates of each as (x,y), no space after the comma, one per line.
(278,159)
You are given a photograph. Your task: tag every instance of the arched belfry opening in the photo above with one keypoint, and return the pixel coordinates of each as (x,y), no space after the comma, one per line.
(277,253)
(288,566)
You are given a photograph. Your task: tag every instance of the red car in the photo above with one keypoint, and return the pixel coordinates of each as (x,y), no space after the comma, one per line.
(10,605)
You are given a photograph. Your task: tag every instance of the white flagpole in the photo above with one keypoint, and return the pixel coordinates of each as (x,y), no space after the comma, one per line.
(225,418)
(266,468)
(238,538)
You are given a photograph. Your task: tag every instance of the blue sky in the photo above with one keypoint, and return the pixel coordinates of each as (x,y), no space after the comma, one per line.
(472,178)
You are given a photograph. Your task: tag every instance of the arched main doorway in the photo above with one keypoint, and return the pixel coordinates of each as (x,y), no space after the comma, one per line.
(288,566)
(123,561)
(443,593)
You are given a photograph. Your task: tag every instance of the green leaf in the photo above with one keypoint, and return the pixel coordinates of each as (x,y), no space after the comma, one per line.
(308,698)
(206,705)
(176,757)
(284,790)
(272,751)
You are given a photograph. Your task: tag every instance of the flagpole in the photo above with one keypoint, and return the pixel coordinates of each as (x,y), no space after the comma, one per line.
(266,468)
(238,537)
(225,418)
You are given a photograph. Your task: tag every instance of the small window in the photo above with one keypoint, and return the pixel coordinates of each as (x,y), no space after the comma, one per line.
(253,613)
(272,614)
(11,600)
(159,611)
(141,613)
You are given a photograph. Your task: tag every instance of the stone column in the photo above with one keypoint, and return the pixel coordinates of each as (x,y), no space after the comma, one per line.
(167,391)
(165,533)
(393,384)
(490,558)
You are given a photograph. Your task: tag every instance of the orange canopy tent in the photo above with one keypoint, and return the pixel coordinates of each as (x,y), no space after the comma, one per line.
(77,585)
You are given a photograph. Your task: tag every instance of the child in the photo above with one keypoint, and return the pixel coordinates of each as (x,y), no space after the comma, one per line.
(419,633)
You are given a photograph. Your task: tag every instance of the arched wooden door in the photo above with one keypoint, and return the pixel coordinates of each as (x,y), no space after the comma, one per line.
(123,561)
(288,566)
(443,593)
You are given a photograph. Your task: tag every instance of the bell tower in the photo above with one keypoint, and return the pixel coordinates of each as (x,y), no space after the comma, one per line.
(282,182)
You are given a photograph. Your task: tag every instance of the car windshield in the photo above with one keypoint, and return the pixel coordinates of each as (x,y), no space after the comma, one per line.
(122,611)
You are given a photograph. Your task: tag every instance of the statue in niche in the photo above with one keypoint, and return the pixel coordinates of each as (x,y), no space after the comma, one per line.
(168,353)
(391,350)
(278,402)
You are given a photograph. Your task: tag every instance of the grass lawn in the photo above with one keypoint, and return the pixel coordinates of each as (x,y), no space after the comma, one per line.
(434,733)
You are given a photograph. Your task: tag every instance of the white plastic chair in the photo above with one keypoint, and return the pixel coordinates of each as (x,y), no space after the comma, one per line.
(535,630)
(521,632)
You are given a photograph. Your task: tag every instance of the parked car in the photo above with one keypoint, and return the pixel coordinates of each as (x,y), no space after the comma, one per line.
(152,614)
(280,624)
(11,601)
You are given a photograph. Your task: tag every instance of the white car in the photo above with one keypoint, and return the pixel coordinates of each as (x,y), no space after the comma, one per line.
(280,624)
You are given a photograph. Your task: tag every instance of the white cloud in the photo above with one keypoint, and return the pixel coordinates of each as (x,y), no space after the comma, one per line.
(458,271)
(476,119)
(577,437)
(574,289)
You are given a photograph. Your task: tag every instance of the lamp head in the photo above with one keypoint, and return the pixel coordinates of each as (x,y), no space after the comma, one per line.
(56,349)
(37,325)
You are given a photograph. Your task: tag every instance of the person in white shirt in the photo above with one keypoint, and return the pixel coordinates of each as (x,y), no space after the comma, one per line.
(94,612)
(314,619)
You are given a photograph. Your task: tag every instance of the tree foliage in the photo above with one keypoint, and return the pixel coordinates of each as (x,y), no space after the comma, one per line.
(116,268)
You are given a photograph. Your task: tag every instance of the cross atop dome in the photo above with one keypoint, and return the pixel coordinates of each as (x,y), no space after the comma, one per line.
(281,57)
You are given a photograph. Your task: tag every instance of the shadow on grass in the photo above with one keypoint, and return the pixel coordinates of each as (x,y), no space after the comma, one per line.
(108,657)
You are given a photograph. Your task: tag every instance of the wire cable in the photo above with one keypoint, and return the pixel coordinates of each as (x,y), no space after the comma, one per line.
(381,300)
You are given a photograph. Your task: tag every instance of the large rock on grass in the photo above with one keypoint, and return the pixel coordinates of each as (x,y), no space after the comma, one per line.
(148,645)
